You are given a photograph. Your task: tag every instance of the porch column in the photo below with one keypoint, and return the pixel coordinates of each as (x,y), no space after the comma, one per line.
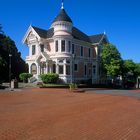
(29,68)
(46,68)
(71,70)
(57,68)
(50,68)
(64,69)
(38,69)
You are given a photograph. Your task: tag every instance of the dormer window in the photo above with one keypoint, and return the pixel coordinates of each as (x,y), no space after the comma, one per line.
(33,49)
(63,45)
(42,48)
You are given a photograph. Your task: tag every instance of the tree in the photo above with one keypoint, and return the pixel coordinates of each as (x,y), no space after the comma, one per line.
(7,46)
(128,67)
(1,31)
(130,72)
(131,67)
(137,70)
(2,62)
(111,60)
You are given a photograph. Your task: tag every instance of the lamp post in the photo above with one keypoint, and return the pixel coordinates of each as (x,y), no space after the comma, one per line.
(10,55)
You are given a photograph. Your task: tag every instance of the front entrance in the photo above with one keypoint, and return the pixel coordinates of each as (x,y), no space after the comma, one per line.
(33,69)
(42,68)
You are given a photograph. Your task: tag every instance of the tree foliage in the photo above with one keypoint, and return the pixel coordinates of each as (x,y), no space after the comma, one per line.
(111,60)
(7,46)
(137,69)
(1,31)
(129,66)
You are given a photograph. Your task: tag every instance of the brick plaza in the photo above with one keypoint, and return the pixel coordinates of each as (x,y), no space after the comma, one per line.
(57,114)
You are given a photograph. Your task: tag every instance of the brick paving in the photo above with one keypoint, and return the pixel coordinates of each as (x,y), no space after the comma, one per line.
(56,114)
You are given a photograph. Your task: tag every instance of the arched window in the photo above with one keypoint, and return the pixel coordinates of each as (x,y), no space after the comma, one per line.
(33,69)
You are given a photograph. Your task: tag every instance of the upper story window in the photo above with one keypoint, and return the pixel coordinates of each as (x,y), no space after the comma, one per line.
(81,52)
(69,46)
(61,69)
(75,67)
(56,45)
(73,48)
(63,45)
(89,52)
(85,69)
(42,48)
(94,70)
(33,49)
(68,61)
(61,61)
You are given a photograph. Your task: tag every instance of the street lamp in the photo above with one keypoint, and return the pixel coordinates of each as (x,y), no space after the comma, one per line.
(10,55)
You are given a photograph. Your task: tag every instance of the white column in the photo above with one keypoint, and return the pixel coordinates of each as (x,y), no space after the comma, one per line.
(57,68)
(29,68)
(64,69)
(50,67)
(46,68)
(38,69)
(71,70)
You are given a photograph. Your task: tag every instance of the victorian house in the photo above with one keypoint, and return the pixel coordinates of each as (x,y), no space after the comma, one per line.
(65,50)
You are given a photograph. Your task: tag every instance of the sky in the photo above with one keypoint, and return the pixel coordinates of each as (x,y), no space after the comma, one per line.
(120,19)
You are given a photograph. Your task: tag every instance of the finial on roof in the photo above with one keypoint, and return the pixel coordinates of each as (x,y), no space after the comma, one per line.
(31,23)
(104,32)
(62,4)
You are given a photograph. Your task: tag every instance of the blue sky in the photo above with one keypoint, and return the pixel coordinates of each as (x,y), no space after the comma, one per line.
(119,18)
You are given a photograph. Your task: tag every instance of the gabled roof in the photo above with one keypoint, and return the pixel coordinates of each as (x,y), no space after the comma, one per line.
(77,34)
(62,16)
(44,33)
(96,38)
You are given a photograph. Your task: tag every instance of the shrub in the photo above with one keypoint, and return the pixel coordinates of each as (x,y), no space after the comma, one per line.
(50,78)
(24,76)
(73,86)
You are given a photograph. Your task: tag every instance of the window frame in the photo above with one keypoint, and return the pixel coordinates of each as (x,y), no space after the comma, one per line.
(89,52)
(63,46)
(42,48)
(56,45)
(73,49)
(33,49)
(94,69)
(62,70)
(85,69)
(69,46)
(81,51)
(74,67)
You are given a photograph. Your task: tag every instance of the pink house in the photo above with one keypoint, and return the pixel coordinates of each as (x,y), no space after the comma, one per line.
(65,50)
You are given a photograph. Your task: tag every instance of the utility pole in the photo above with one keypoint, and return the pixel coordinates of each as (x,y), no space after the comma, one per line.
(10,55)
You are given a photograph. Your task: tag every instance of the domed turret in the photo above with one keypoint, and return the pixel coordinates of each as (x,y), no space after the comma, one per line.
(62,24)
(62,16)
